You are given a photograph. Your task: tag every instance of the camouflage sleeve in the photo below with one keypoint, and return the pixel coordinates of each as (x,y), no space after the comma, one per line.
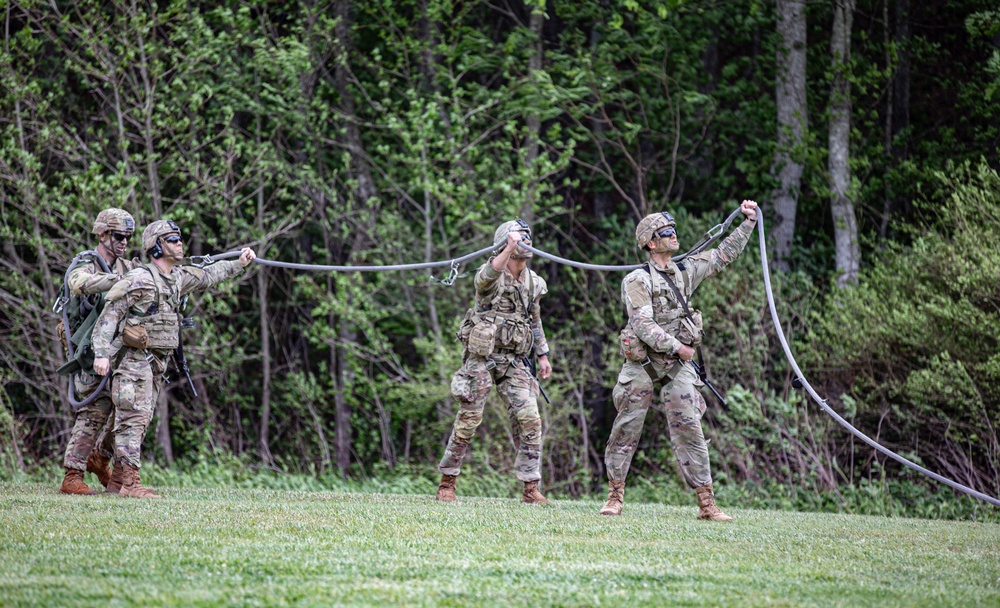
(199,279)
(537,331)
(134,289)
(486,279)
(107,326)
(637,295)
(709,262)
(86,279)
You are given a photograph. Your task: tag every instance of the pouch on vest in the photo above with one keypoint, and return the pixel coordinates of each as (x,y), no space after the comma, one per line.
(482,339)
(630,345)
(135,336)
(466,327)
(690,332)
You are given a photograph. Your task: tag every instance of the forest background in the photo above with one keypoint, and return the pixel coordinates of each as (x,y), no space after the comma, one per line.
(401,131)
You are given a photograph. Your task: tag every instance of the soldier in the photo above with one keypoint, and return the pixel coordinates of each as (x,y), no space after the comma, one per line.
(498,335)
(87,283)
(139,328)
(660,323)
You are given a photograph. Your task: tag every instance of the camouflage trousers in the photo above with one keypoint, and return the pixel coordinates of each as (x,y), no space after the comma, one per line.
(683,406)
(135,386)
(519,390)
(89,421)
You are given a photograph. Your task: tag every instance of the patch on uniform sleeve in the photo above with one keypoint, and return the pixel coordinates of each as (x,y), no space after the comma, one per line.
(637,292)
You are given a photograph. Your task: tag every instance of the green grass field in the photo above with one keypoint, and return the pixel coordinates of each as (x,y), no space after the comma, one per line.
(273,548)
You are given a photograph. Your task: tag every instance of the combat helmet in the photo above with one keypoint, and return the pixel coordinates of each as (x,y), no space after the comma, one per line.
(650,224)
(113,219)
(500,237)
(156,230)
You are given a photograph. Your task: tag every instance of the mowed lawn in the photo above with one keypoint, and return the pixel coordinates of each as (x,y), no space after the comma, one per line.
(273,548)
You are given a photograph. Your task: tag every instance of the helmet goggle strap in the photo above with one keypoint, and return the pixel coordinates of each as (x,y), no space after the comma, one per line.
(522,226)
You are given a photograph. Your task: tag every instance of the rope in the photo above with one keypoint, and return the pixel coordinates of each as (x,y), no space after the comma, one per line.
(202,260)
(822,402)
(710,237)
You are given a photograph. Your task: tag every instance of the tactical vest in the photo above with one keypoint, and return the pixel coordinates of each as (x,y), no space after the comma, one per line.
(161,320)
(509,314)
(669,312)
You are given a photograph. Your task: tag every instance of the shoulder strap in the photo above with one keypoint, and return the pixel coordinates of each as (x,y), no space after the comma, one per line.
(155,306)
(677,292)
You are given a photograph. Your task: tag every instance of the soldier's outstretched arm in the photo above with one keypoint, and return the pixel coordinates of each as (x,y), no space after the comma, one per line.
(199,279)
(732,246)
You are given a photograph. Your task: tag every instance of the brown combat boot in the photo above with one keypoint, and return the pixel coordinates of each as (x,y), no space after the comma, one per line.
(115,483)
(132,485)
(706,504)
(616,498)
(73,483)
(100,465)
(446,491)
(532,495)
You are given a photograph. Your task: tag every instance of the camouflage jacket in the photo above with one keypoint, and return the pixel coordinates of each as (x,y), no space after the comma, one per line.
(500,292)
(651,304)
(133,295)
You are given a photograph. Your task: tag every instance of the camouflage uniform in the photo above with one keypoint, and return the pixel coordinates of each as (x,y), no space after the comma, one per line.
(138,374)
(89,278)
(86,282)
(659,321)
(519,326)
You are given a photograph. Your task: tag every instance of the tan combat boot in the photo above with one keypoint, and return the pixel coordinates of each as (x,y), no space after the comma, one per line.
(616,498)
(115,483)
(532,495)
(73,483)
(132,485)
(706,504)
(446,491)
(100,465)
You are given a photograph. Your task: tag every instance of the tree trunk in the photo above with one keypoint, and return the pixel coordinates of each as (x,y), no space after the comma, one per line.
(845,225)
(265,340)
(793,124)
(163,426)
(148,107)
(901,96)
(533,121)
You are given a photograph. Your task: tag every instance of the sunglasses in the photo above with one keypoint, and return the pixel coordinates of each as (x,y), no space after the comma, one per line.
(173,238)
(666,233)
(120,236)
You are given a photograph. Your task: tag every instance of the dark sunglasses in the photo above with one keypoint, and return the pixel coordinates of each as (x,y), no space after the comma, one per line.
(173,238)
(666,233)
(120,236)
